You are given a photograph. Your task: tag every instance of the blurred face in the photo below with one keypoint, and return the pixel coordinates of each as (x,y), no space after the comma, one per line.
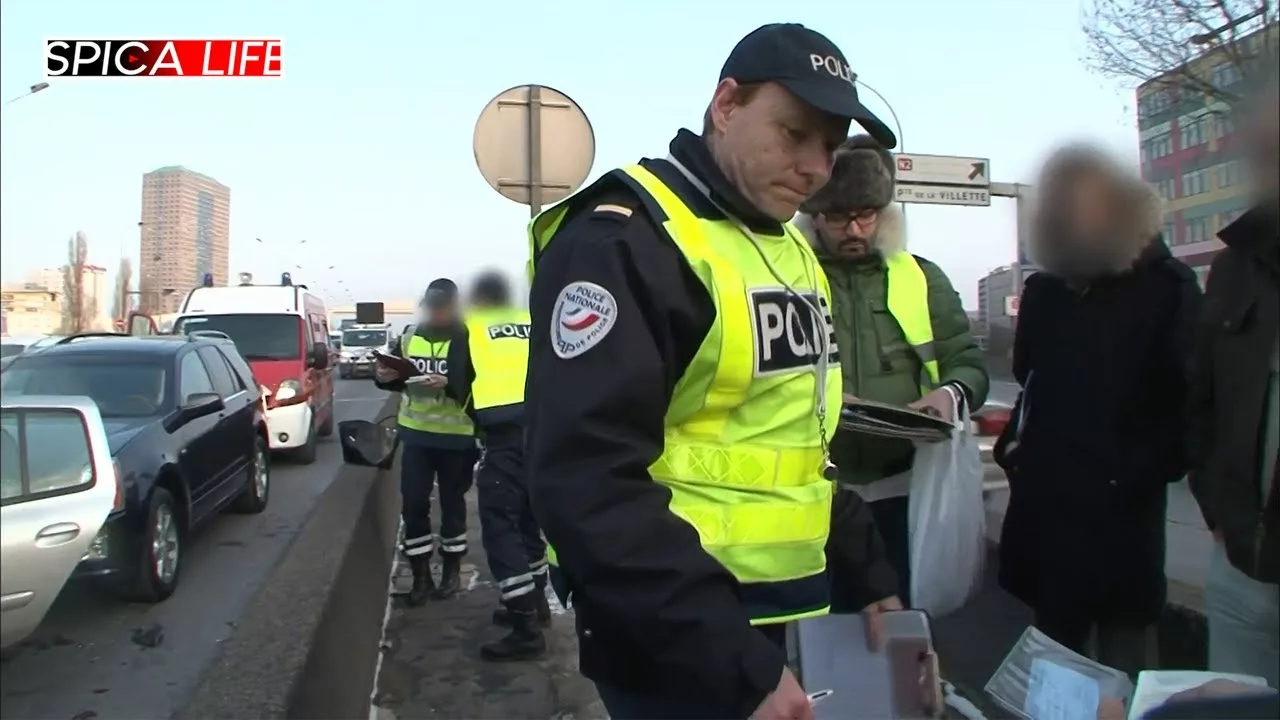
(1264,149)
(1090,208)
(439,315)
(849,234)
(1089,224)
(776,149)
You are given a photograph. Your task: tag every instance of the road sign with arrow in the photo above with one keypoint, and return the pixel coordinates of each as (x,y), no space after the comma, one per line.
(943,179)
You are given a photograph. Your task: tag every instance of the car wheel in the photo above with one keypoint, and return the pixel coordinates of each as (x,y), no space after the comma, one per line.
(307,453)
(257,489)
(161,561)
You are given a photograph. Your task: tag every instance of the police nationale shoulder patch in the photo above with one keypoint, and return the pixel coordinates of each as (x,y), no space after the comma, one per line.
(584,314)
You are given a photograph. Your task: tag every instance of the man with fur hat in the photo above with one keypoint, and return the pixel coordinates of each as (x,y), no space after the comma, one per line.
(1102,354)
(903,335)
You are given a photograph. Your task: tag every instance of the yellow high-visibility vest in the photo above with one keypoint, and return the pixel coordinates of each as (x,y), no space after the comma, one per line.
(744,449)
(425,409)
(499,343)
(908,302)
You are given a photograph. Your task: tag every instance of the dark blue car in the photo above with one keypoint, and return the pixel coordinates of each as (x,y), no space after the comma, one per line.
(185,424)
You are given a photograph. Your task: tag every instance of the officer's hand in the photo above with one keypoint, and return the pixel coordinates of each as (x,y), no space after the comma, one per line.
(788,701)
(873,616)
(939,403)
(435,381)
(384,374)
(1111,709)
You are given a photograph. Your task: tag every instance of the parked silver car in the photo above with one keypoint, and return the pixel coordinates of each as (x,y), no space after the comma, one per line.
(57,486)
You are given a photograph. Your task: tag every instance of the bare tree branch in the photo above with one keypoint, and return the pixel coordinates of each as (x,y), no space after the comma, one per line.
(122,303)
(76,313)
(1160,41)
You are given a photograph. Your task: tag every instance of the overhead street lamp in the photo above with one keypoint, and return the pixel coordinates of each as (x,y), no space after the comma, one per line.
(30,91)
(897,126)
(1215,35)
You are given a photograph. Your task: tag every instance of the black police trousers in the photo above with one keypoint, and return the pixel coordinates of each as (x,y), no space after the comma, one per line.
(421,468)
(517,553)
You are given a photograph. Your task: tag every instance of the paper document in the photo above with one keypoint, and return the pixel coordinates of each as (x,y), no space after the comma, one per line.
(1056,692)
(1156,686)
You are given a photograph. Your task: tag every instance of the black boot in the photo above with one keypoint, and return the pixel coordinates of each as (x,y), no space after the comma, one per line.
(423,585)
(450,579)
(502,617)
(524,642)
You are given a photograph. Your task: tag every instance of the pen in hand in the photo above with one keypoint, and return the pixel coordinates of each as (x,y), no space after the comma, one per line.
(816,697)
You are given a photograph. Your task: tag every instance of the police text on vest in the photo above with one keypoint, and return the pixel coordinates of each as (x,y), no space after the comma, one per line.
(431,366)
(787,334)
(518,331)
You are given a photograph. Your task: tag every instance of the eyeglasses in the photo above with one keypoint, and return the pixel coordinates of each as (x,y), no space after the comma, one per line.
(841,220)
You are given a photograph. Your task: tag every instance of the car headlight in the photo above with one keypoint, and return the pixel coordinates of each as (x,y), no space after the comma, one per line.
(288,389)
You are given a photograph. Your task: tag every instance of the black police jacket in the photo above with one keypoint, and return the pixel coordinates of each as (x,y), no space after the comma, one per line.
(656,613)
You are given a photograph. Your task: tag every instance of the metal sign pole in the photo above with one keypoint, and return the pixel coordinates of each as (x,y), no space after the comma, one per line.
(535,150)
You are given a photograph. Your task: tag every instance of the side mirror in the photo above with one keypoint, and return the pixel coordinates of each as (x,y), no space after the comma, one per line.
(200,404)
(318,358)
(140,325)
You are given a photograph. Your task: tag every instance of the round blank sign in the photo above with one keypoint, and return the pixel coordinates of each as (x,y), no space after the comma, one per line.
(534,145)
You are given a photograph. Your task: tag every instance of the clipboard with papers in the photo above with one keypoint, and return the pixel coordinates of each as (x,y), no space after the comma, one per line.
(897,681)
(404,367)
(884,420)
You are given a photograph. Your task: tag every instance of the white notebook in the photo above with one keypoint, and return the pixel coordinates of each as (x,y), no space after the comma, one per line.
(1156,686)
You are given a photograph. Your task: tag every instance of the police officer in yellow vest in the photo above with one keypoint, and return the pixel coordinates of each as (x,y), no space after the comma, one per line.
(903,334)
(683,387)
(439,446)
(488,360)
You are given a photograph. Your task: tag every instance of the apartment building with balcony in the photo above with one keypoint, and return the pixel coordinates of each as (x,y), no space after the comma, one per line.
(185,228)
(1191,152)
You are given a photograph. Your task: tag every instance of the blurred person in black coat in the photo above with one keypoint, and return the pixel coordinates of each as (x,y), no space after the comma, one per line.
(1235,415)
(1101,351)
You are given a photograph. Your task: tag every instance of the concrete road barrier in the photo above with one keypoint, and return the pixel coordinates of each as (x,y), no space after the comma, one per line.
(308,644)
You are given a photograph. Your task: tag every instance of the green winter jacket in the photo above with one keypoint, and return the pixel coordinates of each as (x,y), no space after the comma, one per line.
(878,363)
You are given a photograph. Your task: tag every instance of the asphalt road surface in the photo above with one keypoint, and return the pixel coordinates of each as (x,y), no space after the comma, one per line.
(95,658)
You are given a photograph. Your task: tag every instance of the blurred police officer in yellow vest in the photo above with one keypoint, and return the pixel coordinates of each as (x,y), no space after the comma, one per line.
(488,359)
(439,445)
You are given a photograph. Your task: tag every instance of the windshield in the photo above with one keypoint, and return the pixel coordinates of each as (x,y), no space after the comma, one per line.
(257,337)
(11,349)
(364,338)
(123,385)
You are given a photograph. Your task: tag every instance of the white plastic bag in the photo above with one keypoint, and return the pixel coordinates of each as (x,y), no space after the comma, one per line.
(947,521)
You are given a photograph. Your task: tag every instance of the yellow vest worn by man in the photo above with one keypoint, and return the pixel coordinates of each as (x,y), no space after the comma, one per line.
(499,344)
(908,301)
(745,450)
(429,410)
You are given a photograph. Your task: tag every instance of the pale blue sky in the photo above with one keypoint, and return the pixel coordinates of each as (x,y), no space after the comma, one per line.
(363,149)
